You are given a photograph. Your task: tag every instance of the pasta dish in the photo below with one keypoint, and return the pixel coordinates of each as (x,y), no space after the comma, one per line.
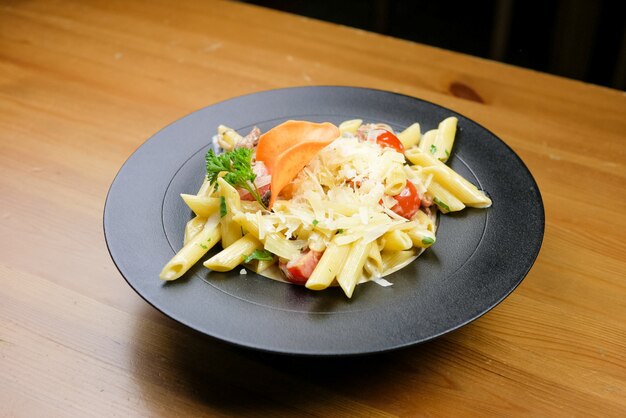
(320,205)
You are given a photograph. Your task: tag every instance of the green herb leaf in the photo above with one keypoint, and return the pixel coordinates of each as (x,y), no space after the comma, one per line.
(261,255)
(223,209)
(340,231)
(315,222)
(427,241)
(433,149)
(203,246)
(441,204)
(447,153)
(237,168)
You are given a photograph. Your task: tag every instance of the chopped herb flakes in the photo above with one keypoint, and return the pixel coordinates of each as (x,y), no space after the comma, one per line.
(261,255)
(223,210)
(427,241)
(204,246)
(441,204)
(315,222)
(433,149)
(340,231)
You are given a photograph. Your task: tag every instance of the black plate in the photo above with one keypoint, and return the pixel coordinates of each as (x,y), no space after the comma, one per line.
(479,258)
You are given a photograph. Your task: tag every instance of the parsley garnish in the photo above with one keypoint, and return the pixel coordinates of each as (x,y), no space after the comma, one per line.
(427,241)
(204,246)
(261,255)
(433,149)
(315,222)
(340,231)
(441,204)
(237,166)
(223,209)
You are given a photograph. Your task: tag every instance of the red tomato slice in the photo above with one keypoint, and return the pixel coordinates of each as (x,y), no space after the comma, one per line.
(298,271)
(387,139)
(408,201)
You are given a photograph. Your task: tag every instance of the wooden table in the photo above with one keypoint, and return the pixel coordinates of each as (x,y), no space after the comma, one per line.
(83,84)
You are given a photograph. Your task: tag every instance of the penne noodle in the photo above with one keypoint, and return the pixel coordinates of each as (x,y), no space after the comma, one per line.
(459,187)
(328,267)
(411,136)
(352,269)
(233,255)
(422,238)
(395,260)
(424,221)
(227,137)
(395,180)
(350,126)
(248,222)
(193,227)
(280,246)
(191,252)
(473,196)
(445,201)
(201,205)
(374,262)
(231,231)
(207,189)
(444,139)
(396,240)
(263,265)
(427,141)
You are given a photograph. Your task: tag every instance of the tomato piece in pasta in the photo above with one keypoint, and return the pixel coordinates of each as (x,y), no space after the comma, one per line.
(408,201)
(388,140)
(299,270)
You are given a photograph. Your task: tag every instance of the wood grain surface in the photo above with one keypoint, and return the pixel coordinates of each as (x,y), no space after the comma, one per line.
(84,83)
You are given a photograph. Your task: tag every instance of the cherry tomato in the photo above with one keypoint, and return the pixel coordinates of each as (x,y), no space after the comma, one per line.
(387,139)
(298,271)
(408,201)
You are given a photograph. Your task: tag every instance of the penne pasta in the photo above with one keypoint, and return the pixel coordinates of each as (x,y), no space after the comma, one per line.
(411,136)
(421,238)
(395,260)
(350,126)
(229,205)
(277,244)
(207,189)
(444,199)
(233,255)
(396,240)
(227,137)
(193,227)
(201,205)
(374,262)
(352,268)
(328,267)
(191,252)
(427,141)
(395,180)
(448,178)
(458,186)
(442,145)
(263,265)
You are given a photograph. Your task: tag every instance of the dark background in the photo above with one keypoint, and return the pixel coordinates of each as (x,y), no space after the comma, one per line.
(580,39)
